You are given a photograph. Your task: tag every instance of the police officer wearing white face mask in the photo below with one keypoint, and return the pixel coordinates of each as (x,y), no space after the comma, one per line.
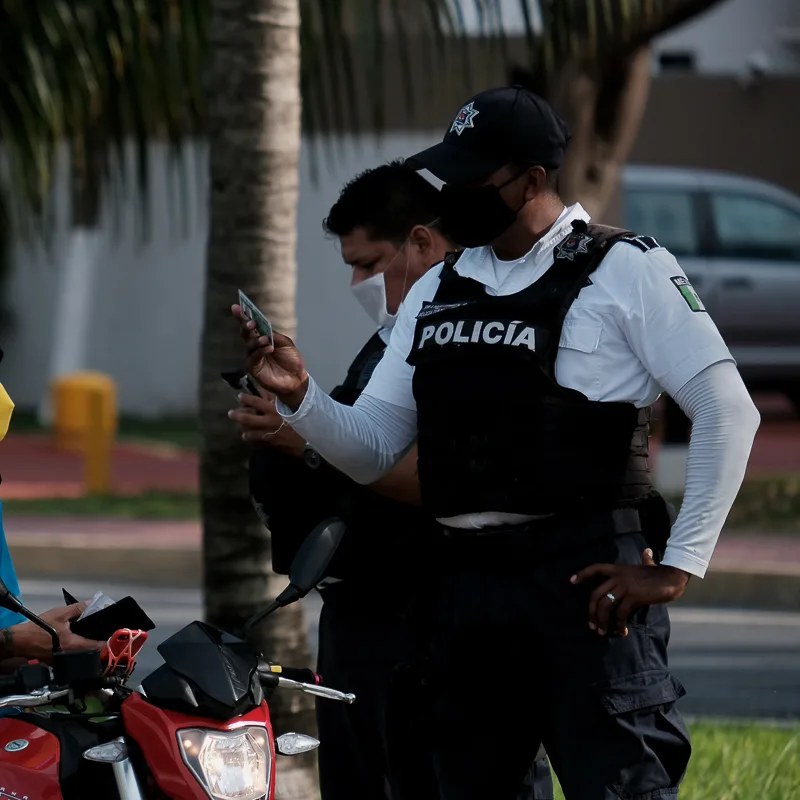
(382,221)
(370,291)
(525,370)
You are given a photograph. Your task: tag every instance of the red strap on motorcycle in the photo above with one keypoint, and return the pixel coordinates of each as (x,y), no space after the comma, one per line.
(121,650)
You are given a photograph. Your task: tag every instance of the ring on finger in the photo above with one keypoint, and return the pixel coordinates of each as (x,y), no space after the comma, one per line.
(610,596)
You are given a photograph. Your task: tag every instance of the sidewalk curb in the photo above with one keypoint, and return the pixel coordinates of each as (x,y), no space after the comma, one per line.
(177,567)
(763,590)
(181,567)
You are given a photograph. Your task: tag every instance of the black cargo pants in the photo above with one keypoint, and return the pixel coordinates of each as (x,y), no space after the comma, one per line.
(514,664)
(360,643)
(365,751)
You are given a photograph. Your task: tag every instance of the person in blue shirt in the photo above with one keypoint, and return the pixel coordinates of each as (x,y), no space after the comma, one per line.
(9,577)
(20,639)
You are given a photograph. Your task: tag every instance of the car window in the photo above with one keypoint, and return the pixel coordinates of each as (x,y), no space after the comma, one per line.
(755,227)
(667,215)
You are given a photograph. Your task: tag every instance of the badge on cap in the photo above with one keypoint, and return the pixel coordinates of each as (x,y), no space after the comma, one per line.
(464,119)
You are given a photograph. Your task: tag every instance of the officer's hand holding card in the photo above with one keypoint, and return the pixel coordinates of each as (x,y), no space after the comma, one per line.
(254,313)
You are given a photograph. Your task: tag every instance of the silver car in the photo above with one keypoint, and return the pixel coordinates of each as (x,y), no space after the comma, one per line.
(738,240)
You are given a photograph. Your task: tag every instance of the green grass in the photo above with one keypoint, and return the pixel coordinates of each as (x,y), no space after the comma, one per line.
(182,431)
(741,762)
(149,505)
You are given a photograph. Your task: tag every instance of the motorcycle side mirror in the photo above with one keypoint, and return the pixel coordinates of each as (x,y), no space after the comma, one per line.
(9,601)
(315,555)
(308,567)
(7,598)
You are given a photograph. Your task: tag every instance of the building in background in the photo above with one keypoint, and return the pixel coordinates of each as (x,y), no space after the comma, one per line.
(745,38)
(725,96)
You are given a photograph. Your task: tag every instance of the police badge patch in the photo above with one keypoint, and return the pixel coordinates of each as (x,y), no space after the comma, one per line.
(575,243)
(464,119)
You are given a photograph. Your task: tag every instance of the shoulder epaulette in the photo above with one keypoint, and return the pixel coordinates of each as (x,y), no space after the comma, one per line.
(644,243)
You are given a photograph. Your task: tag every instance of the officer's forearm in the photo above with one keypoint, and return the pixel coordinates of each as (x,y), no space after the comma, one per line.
(364,441)
(401,483)
(724,423)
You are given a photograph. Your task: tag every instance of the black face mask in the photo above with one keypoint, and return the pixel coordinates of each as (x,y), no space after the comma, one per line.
(476,216)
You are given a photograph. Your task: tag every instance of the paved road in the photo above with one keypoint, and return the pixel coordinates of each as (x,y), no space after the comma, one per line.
(733,663)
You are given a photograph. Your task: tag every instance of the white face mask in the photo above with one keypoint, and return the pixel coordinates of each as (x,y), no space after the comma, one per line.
(371,293)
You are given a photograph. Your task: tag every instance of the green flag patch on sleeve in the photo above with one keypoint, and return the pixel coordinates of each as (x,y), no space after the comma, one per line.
(689,294)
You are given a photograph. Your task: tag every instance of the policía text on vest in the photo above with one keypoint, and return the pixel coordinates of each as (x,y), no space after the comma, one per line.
(514,333)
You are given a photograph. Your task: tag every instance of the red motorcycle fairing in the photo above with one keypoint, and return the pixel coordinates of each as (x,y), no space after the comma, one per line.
(30,773)
(155,732)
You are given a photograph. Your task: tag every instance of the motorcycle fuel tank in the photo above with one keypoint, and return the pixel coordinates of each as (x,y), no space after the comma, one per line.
(29,762)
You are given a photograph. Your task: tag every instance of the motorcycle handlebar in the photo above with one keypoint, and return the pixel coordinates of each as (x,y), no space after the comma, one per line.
(40,697)
(299,675)
(301,680)
(319,691)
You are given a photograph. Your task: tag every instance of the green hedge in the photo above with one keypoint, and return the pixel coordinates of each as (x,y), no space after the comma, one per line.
(768,505)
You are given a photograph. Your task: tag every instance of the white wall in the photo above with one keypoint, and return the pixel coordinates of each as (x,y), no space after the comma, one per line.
(147,323)
(726,37)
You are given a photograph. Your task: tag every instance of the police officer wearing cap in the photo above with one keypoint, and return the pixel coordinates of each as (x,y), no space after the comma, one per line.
(386,223)
(525,368)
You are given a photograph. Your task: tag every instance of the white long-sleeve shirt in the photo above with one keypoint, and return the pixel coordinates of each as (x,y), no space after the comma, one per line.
(637,330)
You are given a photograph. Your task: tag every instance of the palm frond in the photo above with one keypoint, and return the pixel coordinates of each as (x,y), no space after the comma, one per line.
(98,73)
(592,30)
(426,35)
(94,75)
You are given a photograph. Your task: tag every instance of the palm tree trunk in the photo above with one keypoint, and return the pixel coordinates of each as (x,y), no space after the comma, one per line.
(605,109)
(254,139)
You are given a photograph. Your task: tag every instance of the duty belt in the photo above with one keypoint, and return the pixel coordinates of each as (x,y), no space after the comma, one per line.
(624,520)
(504,545)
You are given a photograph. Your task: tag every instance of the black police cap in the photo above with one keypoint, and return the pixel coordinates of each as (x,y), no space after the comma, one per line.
(497,127)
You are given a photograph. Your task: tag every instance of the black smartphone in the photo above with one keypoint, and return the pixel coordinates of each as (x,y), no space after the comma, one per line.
(105,623)
(240,382)
(68,598)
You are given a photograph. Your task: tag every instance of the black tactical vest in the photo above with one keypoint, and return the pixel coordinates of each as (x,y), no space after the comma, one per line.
(360,371)
(276,478)
(385,540)
(496,431)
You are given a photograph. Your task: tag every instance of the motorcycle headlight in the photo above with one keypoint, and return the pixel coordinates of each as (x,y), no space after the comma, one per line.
(230,765)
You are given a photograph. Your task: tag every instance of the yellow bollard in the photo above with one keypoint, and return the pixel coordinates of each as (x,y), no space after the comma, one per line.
(97,452)
(85,419)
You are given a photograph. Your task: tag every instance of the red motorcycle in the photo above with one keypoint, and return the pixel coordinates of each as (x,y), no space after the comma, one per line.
(197,727)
